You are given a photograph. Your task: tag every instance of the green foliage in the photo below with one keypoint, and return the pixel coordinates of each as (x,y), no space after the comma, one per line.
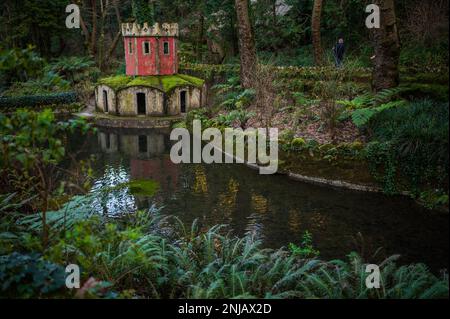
(49,83)
(29,276)
(363,116)
(410,142)
(77,209)
(234,97)
(33,144)
(306,249)
(416,58)
(238,100)
(19,65)
(227,120)
(74,69)
(142,11)
(365,107)
(147,255)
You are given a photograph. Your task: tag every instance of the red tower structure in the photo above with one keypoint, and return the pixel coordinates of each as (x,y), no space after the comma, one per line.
(150,50)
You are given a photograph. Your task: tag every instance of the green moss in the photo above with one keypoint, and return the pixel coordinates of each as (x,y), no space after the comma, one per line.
(143,187)
(298,142)
(139,187)
(151,81)
(192,79)
(116,82)
(165,83)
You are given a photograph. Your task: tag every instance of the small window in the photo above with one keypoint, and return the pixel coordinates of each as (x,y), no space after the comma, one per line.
(130,47)
(146,48)
(166,48)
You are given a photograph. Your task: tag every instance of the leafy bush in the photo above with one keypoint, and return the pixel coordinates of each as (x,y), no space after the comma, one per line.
(29,276)
(75,69)
(363,116)
(49,83)
(33,145)
(306,249)
(240,116)
(19,65)
(411,141)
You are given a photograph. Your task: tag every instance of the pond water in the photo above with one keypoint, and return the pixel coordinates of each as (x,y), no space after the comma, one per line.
(275,208)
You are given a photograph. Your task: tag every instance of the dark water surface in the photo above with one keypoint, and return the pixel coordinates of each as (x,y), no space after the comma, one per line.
(277,209)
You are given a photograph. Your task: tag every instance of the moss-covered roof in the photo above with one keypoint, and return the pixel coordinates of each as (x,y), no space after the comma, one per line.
(165,83)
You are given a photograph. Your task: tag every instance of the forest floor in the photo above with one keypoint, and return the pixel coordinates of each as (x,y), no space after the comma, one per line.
(308,126)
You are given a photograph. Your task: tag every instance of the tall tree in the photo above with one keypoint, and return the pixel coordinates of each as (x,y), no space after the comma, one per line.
(315,30)
(143,11)
(387,48)
(247,50)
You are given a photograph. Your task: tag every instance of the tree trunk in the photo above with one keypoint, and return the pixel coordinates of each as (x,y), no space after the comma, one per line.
(118,36)
(315,30)
(387,48)
(200,36)
(94,28)
(247,49)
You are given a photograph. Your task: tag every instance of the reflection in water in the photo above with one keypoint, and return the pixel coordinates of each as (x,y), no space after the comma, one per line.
(273,208)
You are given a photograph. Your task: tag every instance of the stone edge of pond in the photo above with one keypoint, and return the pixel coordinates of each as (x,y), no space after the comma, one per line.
(344,185)
(327,182)
(129,122)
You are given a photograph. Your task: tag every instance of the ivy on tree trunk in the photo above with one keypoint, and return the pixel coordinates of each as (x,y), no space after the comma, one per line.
(247,48)
(387,48)
(315,30)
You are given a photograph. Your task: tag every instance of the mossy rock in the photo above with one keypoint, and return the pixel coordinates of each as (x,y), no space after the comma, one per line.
(164,83)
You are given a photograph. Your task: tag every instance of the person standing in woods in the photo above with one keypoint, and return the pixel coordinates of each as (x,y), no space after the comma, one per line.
(339,51)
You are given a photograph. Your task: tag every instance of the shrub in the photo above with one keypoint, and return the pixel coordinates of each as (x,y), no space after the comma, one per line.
(19,65)
(49,83)
(411,142)
(29,276)
(75,69)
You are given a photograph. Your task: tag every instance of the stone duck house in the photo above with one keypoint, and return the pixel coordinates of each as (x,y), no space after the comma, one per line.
(151,85)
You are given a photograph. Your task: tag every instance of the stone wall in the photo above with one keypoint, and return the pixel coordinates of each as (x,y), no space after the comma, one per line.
(100,102)
(193,100)
(127,101)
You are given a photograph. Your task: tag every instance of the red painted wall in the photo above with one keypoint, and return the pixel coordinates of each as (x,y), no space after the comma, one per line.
(155,63)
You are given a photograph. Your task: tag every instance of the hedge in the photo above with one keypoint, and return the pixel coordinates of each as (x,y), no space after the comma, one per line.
(38,100)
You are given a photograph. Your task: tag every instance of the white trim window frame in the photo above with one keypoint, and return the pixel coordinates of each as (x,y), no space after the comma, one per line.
(146,48)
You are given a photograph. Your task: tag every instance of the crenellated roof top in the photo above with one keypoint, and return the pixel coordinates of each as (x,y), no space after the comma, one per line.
(157,30)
